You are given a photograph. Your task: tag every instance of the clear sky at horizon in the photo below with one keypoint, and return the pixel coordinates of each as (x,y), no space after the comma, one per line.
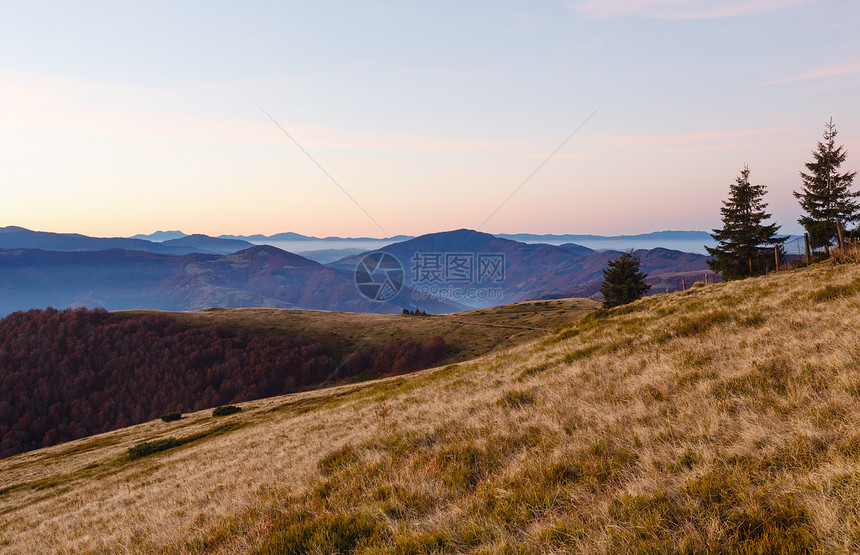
(120,118)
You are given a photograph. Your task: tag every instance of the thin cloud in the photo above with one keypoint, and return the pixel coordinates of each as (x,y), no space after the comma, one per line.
(839,70)
(681,9)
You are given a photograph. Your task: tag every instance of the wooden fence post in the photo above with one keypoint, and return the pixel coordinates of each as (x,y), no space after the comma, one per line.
(806,244)
(839,235)
(683,284)
(776,257)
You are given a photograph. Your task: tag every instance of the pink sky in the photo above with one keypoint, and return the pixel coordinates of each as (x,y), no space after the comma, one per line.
(127,120)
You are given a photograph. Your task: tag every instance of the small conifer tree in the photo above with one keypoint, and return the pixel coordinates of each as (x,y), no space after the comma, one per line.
(623,281)
(826,196)
(744,243)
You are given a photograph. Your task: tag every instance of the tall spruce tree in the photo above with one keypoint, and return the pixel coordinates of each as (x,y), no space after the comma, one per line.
(826,196)
(623,282)
(744,243)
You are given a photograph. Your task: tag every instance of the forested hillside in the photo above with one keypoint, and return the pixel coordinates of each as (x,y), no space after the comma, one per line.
(69,374)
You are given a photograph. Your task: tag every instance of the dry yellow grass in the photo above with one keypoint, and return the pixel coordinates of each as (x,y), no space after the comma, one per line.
(722,418)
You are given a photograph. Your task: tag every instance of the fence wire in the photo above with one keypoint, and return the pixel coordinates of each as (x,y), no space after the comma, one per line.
(794,250)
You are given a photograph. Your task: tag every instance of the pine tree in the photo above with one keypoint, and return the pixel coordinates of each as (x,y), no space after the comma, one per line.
(623,282)
(744,242)
(826,195)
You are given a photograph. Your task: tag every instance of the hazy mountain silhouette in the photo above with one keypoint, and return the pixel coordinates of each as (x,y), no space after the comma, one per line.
(19,238)
(159,236)
(120,279)
(204,243)
(40,269)
(576,249)
(168,242)
(290,236)
(531,270)
(687,241)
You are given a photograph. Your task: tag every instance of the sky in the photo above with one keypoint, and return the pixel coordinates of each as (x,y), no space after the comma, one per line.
(384,118)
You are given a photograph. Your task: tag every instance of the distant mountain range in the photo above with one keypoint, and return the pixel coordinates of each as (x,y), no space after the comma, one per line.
(204,243)
(687,241)
(287,236)
(191,272)
(160,236)
(20,238)
(120,279)
(531,270)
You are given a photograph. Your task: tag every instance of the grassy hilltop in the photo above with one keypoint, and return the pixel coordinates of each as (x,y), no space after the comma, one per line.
(470,333)
(724,418)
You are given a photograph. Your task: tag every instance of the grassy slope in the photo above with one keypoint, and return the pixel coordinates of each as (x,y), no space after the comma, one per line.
(472,333)
(723,418)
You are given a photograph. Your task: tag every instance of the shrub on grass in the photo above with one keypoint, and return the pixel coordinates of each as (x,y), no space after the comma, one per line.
(225,410)
(150,447)
(171,416)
